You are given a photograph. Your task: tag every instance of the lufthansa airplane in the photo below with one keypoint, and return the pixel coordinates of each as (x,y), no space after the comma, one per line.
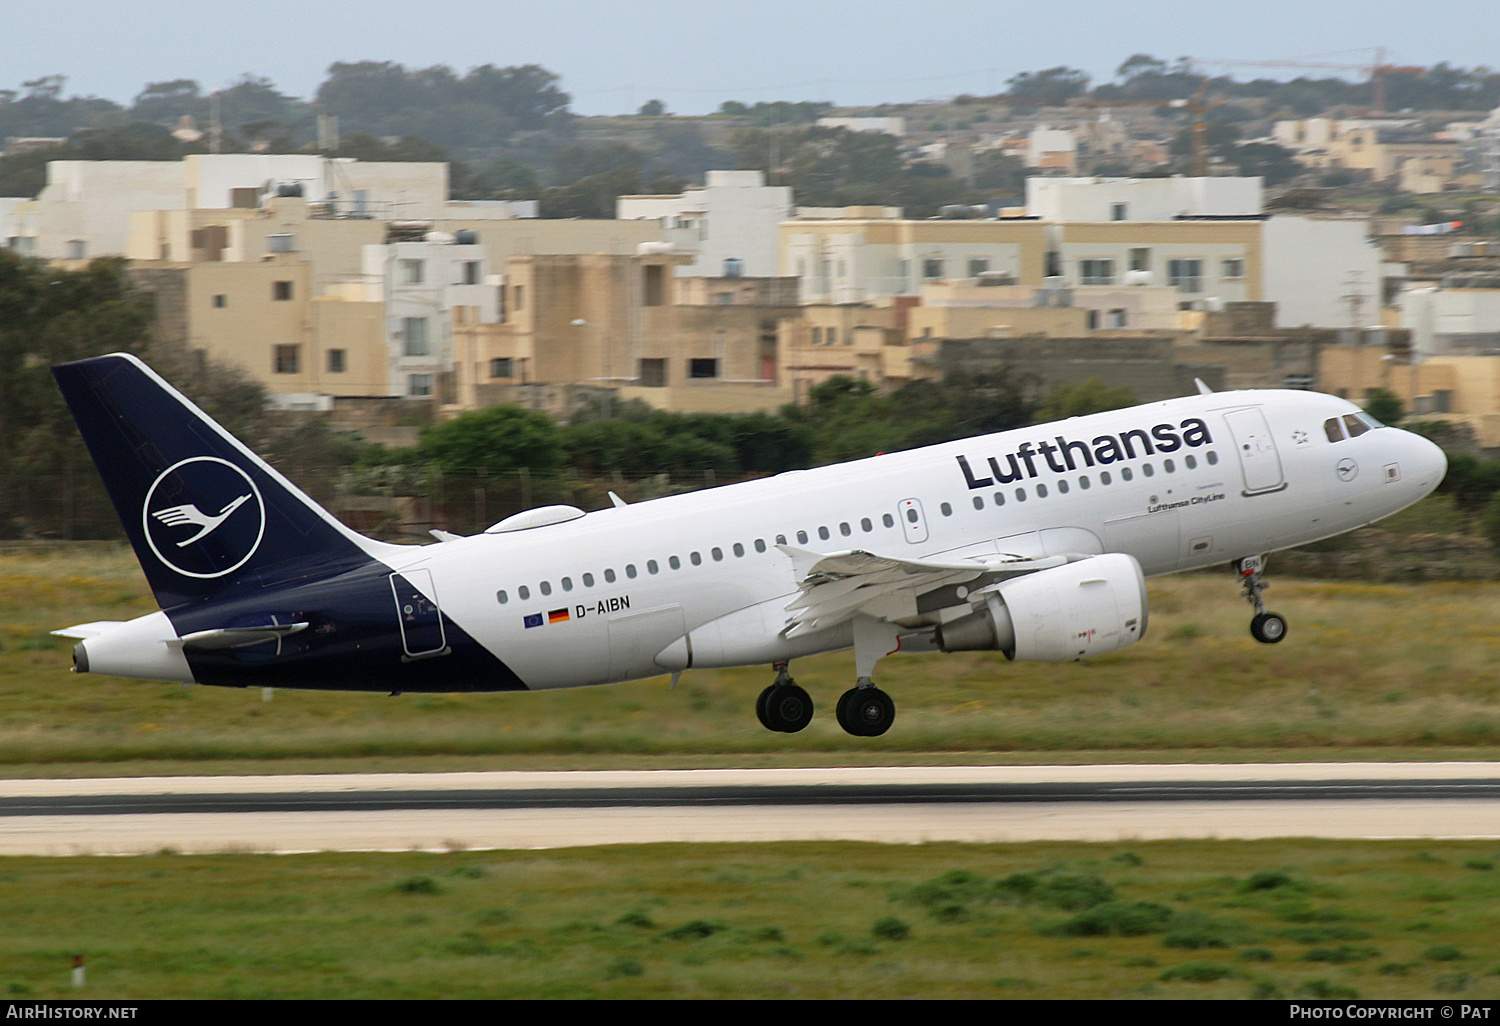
(1034,542)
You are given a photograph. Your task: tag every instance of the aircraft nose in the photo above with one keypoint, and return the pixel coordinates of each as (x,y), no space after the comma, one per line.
(1428,461)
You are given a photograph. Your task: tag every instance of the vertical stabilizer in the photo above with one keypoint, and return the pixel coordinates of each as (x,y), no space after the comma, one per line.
(206,515)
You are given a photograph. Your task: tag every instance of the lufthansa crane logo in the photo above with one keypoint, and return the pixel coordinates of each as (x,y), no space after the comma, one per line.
(204,517)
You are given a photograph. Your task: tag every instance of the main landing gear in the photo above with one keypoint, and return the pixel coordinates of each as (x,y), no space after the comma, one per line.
(864,710)
(784,706)
(1265,627)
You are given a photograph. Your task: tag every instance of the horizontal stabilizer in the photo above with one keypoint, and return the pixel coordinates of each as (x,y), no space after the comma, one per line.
(238,637)
(86,630)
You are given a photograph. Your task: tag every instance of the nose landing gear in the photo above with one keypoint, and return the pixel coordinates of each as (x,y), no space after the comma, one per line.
(1266,627)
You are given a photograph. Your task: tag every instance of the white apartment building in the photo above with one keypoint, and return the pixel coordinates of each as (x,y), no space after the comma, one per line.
(426,287)
(729,224)
(1141,199)
(1460,317)
(84,210)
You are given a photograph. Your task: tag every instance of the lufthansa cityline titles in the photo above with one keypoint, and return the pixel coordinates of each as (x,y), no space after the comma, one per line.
(1103,450)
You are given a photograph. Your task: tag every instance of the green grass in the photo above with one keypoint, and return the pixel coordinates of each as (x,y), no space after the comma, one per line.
(1367,671)
(1184,919)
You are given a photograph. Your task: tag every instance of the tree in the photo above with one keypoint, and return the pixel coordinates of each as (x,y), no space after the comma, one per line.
(498,440)
(1385,406)
(166,102)
(50,316)
(1091,396)
(1054,85)
(652,109)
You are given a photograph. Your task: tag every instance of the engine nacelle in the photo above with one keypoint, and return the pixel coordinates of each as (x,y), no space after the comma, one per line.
(1090,607)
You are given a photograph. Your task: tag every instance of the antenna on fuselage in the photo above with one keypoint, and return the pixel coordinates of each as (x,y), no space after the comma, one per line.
(1202,388)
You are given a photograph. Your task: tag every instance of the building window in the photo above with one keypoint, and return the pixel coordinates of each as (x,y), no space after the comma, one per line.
(1096,272)
(1117,211)
(281,290)
(286,359)
(76,249)
(1140,259)
(1233,267)
(520,294)
(413,272)
(831,336)
(654,285)
(653,372)
(471,273)
(500,367)
(1185,275)
(978,266)
(337,361)
(1091,319)
(414,336)
(703,368)
(419,385)
(1116,318)
(221,301)
(932,268)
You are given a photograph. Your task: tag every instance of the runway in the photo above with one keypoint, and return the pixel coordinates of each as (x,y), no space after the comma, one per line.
(904,805)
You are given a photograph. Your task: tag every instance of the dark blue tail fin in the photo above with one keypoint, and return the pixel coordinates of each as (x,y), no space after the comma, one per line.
(205,514)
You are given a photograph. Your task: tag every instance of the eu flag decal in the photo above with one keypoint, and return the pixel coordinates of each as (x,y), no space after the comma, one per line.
(557,616)
(534,620)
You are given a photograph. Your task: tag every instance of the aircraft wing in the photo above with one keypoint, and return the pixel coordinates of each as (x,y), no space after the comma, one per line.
(837,586)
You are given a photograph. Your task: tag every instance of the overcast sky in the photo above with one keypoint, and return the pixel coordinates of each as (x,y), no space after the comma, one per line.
(614,55)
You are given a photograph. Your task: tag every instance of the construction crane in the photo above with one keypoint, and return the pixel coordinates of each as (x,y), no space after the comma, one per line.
(1376,70)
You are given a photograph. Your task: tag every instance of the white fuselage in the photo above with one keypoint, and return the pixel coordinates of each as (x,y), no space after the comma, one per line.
(600,598)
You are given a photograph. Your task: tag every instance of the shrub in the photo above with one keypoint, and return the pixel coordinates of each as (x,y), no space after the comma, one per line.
(1198,972)
(419,885)
(1115,919)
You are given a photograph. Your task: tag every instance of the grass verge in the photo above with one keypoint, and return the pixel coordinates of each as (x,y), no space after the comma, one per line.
(1367,671)
(1289,918)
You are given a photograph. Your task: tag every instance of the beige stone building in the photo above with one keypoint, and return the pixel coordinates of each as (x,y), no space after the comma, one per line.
(1458,389)
(264,318)
(575,323)
(864,259)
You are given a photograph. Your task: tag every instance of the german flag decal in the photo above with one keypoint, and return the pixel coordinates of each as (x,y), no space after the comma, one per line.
(557,615)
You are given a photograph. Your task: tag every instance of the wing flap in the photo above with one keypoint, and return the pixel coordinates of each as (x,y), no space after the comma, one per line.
(835,587)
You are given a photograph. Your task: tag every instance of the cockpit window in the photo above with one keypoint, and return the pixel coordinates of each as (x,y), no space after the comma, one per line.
(1356,424)
(1335,429)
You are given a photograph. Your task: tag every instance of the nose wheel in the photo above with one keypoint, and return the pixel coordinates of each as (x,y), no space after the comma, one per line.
(784,706)
(1265,627)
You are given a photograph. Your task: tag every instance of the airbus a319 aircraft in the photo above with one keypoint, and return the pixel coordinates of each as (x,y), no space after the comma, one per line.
(1034,542)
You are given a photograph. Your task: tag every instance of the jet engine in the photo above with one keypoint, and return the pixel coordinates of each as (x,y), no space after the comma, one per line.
(1089,607)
